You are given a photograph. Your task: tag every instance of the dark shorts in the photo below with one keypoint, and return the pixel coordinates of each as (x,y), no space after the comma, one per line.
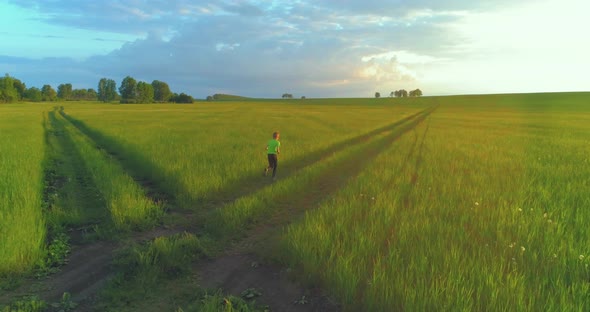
(273,160)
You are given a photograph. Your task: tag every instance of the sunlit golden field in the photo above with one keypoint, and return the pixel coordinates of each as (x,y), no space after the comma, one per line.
(437,203)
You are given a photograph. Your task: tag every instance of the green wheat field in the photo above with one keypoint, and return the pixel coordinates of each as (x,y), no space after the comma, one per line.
(458,203)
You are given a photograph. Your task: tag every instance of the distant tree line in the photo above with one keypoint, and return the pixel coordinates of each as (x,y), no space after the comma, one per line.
(221,97)
(290,96)
(402,93)
(130,91)
(416,92)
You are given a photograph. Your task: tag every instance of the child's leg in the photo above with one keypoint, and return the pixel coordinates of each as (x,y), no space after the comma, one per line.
(275,165)
(270,162)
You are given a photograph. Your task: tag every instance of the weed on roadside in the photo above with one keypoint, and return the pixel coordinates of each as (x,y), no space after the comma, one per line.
(218,302)
(26,304)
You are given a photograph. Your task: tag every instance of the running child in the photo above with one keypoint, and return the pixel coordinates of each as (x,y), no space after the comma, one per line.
(273,149)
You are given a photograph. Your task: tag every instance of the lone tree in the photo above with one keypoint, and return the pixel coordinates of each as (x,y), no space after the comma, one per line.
(20,87)
(48,93)
(64,91)
(162,91)
(377,95)
(33,94)
(128,90)
(183,98)
(145,93)
(400,93)
(287,96)
(84,94)
(91,94)
(107,90)
(8,93)
(416,92)
(79,94)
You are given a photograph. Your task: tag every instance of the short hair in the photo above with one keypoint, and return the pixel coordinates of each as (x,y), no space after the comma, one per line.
(275,135)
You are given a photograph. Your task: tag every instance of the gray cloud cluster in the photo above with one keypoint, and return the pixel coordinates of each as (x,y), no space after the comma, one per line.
(255,48)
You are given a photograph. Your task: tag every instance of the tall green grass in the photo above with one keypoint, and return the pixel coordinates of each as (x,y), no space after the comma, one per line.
(217,302)
(211,151)
(145,271)
(22,228)
(72,199)
(309,185)
(125,200)
(482,208)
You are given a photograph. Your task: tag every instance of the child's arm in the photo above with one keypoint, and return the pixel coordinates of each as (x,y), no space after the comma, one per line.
(278,150)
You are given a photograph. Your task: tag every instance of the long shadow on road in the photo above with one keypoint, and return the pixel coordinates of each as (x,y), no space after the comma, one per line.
(68,177)
(347,168)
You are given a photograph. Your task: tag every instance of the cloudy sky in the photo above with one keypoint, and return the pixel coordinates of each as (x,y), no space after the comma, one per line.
(316,48)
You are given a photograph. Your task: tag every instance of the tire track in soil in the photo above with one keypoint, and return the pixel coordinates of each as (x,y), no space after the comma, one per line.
(235,267)
(417,164)
(89,266)
(248,185)
(66,171)
(418,153)
(241,267)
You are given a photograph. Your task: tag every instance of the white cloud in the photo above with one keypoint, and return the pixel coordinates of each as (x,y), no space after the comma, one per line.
(329,48)
(535,47)
(402,57)
(226,46)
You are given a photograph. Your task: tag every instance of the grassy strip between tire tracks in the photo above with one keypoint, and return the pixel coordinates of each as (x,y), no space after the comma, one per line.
(161,260)
(125,200)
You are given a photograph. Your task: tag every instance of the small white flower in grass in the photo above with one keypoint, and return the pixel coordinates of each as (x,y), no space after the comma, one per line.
(554,255)
(581,257)
(512,245)
(519,209)
(545,215)
(372,198)
(476,203)
(522,248)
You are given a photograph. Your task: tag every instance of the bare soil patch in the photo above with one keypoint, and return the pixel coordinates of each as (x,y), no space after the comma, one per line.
(236,273)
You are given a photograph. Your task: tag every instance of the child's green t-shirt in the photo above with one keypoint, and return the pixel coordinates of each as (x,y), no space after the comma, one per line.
(273,146)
